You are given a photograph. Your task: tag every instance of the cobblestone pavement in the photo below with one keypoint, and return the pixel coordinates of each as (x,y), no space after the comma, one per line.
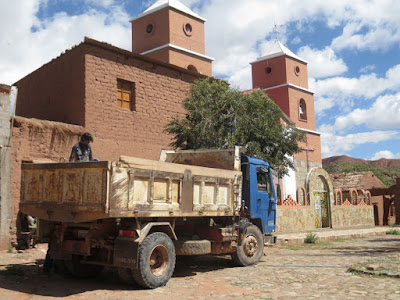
(295,272)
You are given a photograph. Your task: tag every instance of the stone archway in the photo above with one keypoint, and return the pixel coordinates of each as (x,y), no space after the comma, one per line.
(320,194)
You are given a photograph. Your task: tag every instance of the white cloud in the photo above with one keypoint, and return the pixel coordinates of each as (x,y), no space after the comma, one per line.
(249,23)
(104,3)
(383,114)
(296,40)
(342,91)
(22,51)
(376,38)
(385,154)
(333,145)
(322,63)
(239,25)
(367,69)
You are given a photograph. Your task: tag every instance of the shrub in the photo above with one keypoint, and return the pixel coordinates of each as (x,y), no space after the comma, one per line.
(393,232)
(310,238)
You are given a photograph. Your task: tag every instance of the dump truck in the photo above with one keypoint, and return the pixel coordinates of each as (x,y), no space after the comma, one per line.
(137,215)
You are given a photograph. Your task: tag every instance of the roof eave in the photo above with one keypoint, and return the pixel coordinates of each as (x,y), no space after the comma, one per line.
(166,5)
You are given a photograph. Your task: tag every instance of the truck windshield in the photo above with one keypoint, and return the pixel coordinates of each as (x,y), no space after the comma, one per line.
(263,181)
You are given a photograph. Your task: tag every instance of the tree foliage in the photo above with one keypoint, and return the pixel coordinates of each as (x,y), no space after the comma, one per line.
(221,117)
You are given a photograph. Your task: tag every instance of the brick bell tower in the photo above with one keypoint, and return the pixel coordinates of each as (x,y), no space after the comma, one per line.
(282,75)
(170,32)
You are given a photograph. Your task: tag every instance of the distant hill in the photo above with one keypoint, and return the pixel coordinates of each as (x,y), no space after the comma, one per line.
(387,170)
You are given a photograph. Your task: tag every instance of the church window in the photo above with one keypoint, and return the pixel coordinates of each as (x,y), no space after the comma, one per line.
(125,94)
(268,70)
(297,70)
(149,28)
(303,110)
(187,28)
(192,68)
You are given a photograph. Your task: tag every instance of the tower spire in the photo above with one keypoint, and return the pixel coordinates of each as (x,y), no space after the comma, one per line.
(277,32)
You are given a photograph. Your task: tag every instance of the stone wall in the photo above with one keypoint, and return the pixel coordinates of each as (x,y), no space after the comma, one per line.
(301,170)
(352,217)
(5,166)
(294,219)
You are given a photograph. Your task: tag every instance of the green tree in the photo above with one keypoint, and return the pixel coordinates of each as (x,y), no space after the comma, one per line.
(221,117)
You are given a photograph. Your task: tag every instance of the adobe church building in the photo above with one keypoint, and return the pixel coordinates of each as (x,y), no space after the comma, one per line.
(307,199)
(125,99)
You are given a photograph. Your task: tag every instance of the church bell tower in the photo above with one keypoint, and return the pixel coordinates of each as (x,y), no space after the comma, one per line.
(283,76)
(170,32)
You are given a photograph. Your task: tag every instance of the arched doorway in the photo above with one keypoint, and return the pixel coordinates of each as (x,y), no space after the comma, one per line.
(320,192)
(321,204)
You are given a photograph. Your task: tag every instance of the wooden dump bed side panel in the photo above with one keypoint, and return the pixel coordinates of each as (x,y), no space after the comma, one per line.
(68,192)
(146,188)
(228,159)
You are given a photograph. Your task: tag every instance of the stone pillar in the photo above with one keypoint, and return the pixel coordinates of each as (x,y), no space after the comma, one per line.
(5,167)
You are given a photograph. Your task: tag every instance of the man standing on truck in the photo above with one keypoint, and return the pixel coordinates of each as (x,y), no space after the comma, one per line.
(82,152)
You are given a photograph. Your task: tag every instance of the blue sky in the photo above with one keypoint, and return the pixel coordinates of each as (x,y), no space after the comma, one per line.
(353,50)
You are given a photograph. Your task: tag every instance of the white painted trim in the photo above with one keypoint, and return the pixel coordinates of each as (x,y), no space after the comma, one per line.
(177,48)
(309,131)
(277,55)
(174,4)
(290,85)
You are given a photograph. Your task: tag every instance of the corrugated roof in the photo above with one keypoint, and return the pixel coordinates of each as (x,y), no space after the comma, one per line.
(278,49)
(358,180)
(159,5)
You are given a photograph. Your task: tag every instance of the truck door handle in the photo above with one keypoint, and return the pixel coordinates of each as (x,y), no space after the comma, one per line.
(259,200)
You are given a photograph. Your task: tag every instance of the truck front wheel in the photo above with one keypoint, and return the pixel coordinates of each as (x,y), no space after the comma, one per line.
(250,248)
(156,261)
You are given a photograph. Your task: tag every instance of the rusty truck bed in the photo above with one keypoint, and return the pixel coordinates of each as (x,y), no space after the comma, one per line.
(130,187)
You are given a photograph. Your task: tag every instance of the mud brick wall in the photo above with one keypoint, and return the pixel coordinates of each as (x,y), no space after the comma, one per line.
(55,91)
(5,167)
(80,87)
(37,140)
(158,93)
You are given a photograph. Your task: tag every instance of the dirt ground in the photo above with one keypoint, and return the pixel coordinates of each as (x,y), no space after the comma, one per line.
(318,271)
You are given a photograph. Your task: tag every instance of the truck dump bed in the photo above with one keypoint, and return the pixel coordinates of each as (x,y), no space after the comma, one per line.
(130,187)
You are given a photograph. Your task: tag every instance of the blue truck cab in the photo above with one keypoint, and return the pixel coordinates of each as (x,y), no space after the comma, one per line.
(258,193)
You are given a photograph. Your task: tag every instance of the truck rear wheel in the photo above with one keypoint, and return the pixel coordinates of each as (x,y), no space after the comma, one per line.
(250,248)
(156,261)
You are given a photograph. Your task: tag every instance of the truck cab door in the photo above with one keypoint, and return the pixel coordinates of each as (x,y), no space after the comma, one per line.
(266,201)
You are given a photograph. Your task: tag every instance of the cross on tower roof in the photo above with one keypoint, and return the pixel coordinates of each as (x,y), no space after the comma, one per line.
(277,32)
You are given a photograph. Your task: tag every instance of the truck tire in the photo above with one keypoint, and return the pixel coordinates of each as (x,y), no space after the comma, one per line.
(156,261)
(250,248)
(192,247)
(79,270)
